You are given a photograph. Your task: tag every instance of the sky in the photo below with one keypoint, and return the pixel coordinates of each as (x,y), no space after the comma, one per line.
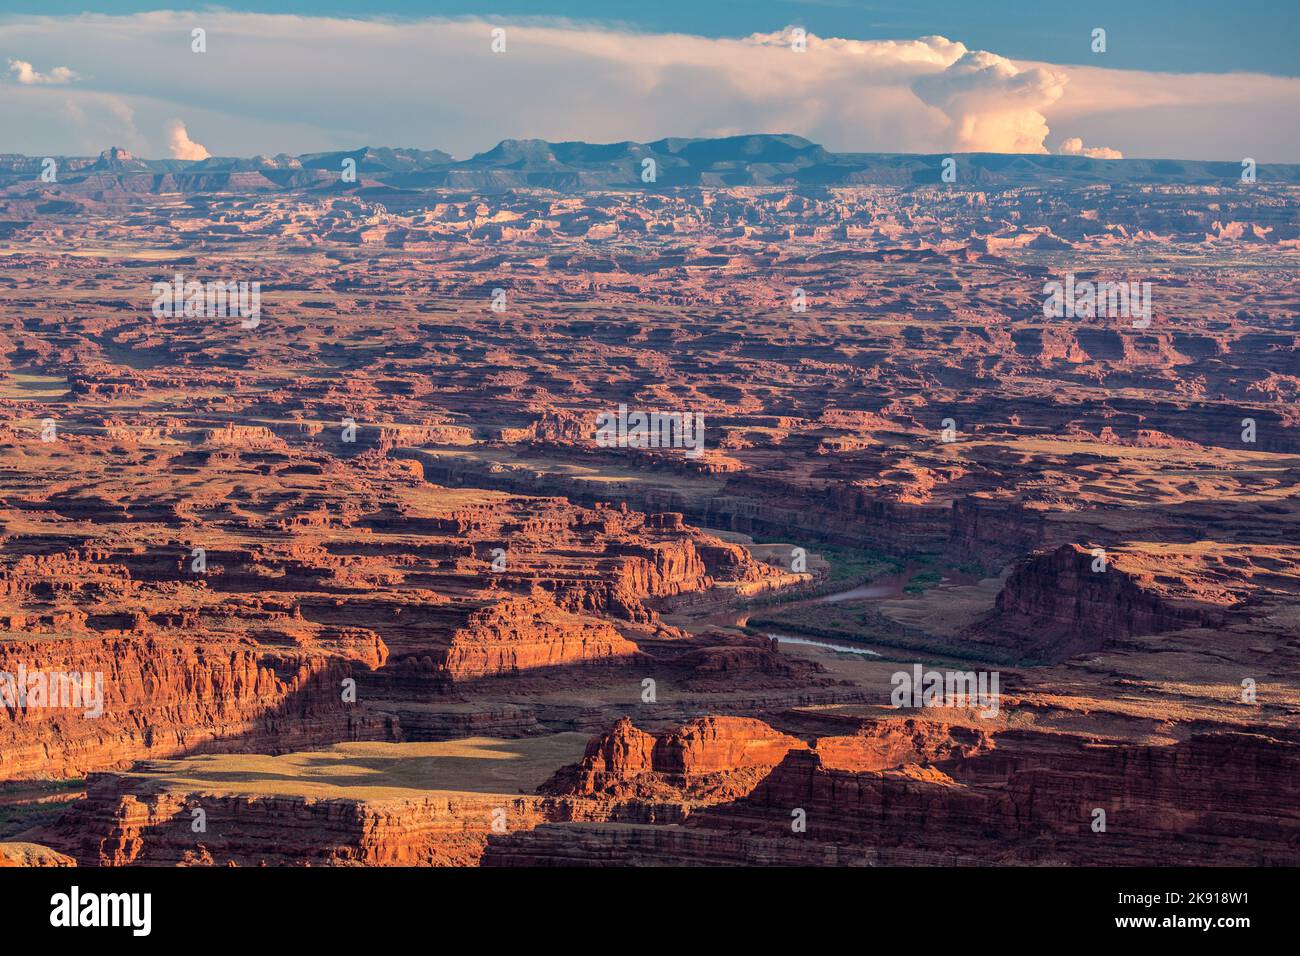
(1192,80)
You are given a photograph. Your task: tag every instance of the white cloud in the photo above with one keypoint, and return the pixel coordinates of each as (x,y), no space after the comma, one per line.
(1073,146)
(993,105)
(179,144)
(294,84)
(27,75)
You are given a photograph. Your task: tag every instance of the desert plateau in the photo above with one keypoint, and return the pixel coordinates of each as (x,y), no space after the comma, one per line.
(363,586)
(801,466)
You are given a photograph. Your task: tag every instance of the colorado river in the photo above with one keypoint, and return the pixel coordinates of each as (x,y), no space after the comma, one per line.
(783,639)
(880,589)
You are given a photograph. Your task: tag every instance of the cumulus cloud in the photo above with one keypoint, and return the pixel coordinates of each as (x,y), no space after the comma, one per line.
(1073,146)
(993,105)
(179,144)
(278,83)
(27,75)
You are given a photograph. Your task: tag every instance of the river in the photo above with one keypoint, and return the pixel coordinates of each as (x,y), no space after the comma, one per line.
(844,648)
(878,590)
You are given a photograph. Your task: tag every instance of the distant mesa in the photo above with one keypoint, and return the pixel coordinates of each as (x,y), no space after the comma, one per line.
(760,159)
(117,159)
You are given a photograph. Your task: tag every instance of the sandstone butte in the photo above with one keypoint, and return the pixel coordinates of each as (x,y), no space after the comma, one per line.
(465,634)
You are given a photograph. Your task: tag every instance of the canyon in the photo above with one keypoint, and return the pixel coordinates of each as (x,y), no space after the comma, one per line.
(363,589)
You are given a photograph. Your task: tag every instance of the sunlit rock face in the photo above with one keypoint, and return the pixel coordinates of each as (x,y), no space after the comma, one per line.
(356,573)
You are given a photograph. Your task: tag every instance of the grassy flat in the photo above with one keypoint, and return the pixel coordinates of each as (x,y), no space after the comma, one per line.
(376,771)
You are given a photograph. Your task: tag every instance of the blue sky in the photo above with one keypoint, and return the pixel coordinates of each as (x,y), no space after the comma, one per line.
(1261,36)
(1189,80)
